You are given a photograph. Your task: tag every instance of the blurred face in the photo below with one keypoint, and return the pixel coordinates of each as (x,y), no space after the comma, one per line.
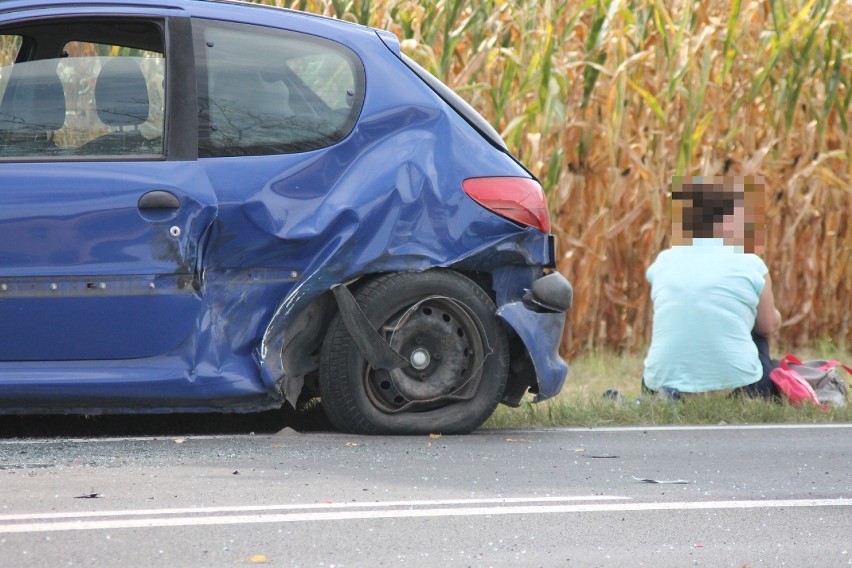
(733,226)
(743,228)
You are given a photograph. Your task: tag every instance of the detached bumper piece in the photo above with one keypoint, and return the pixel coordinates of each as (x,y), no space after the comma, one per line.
(539,320)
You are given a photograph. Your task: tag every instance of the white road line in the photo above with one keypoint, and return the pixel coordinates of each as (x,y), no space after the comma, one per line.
(308,506)
(681,428)
(412,513)
(171,439)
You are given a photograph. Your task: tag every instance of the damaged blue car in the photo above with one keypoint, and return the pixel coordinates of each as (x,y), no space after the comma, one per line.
(218,206)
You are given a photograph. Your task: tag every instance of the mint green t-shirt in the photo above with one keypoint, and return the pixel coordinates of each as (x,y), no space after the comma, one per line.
(705,299)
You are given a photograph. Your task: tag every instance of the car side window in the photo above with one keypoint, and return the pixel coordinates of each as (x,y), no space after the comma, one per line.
(70,98)
(273,92)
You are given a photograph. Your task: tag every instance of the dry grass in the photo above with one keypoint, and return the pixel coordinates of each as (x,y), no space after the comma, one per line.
(581,402)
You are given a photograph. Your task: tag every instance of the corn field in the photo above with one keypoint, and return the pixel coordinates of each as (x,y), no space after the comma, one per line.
(606,100)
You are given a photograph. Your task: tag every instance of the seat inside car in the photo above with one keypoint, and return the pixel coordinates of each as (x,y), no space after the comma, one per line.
(121,99)
(32,110)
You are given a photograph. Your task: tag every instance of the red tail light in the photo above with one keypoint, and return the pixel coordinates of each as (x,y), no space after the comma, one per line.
(515,198)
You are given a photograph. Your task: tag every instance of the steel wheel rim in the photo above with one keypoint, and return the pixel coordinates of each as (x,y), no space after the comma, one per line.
(451,340)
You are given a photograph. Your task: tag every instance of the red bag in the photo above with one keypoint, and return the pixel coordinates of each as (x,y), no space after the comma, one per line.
(799,382)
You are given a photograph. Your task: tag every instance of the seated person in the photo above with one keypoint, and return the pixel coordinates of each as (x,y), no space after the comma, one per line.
(712,297)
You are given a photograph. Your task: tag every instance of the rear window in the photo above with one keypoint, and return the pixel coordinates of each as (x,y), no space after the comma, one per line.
(265,91)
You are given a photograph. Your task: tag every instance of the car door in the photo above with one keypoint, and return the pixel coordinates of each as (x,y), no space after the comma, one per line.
(103,209)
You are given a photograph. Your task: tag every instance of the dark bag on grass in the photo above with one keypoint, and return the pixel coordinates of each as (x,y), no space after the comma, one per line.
(811,381)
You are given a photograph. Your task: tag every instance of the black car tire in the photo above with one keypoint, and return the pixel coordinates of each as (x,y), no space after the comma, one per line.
(438,318)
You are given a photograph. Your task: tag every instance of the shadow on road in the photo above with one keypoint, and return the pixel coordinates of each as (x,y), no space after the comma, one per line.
(310,419)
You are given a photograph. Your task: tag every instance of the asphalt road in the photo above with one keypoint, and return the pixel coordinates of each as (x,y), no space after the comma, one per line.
(743,497)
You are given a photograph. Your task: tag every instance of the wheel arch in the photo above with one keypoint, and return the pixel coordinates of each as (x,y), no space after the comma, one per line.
(292,350)
(289,354)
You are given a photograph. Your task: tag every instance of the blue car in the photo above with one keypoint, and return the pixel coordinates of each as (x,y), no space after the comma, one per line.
(219,206)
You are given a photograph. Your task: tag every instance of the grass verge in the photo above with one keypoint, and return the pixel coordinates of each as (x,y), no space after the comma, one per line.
(581,402)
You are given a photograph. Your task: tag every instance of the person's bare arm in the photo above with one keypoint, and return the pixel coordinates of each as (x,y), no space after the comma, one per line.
(768,319)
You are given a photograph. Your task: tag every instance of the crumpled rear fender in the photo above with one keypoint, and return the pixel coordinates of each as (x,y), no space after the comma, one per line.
(388,199)
(306,310)
(301,318)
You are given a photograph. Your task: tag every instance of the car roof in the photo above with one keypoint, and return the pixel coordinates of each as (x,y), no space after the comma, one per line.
(207,8)
(225,10)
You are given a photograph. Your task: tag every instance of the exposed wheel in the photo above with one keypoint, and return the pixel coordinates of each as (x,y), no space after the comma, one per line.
(446,326)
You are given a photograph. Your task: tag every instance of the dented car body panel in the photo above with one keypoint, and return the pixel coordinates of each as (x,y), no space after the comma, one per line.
(219,300)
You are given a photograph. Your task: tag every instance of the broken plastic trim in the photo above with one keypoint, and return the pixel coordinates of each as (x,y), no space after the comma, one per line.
(372,345)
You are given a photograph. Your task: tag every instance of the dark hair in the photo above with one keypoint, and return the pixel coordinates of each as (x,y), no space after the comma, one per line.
(704,205)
